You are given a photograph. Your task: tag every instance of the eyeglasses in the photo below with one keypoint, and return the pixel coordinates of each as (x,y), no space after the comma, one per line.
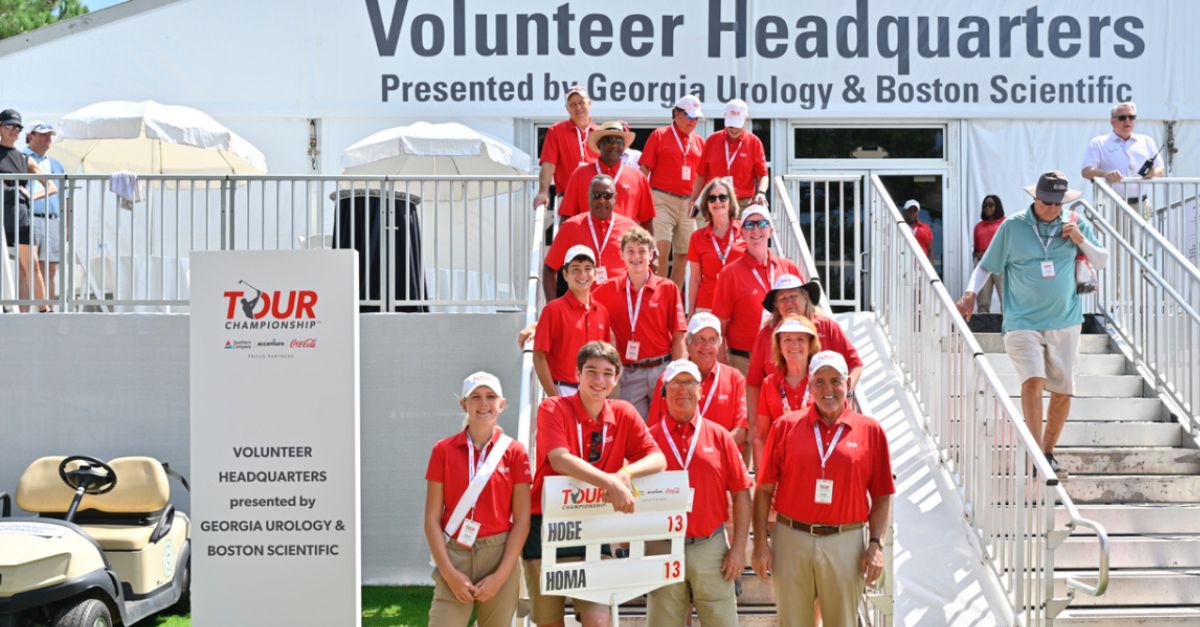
(1126,118)
(595,446)
(718,198)
(682,384)
(756,224)
(602,195)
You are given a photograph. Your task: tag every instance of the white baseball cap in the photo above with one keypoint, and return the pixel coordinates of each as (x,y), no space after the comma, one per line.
(576,251)
(827,359)
(912,204)
(758,210)
(691,106)
(678,367)
(736,113)
(703,320)
(481,379)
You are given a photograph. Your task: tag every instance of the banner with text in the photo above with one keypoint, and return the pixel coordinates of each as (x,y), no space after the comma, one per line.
(275,438)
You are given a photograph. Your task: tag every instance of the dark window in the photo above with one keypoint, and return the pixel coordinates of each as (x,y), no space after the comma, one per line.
(869,143)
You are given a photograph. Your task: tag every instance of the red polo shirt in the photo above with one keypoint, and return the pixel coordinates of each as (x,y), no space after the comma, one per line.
(743,159)
(860,465)
(633,191)
(741,287)
(579,230)
(984,232)
(665,154)
(566,147)
(627,437)
(706,249)
(716,469)
(829,332)
(493,510)
(924,236)
(660,317)
(727,389)
(770,399)
(564,327)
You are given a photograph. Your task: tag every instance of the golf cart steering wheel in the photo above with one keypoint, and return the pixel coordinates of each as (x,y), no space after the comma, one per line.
(95,476)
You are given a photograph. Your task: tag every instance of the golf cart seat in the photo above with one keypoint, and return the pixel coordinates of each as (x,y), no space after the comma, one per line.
(127,518)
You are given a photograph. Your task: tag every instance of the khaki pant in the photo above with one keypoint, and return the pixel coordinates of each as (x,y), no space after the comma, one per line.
(672,222)
(806,567)
(637,386)
(741,363)
(476,563)
(550,608)
(703,586)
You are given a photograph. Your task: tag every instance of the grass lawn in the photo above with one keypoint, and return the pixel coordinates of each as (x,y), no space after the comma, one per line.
(406,606)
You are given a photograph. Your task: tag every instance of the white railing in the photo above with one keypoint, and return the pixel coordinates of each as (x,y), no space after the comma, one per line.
(1175,203)
(827,212)
(444,243)
(1008,489)
(1150,295)
(531,388)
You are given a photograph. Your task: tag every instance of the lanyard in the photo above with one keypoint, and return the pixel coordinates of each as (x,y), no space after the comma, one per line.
(472,466)
(691,447)
(770,273)
(616,179)
(612,221)
(679,142)
(712,391)
(1045,243)
(582,138)
(722,255)
(634,313)
(579,434)
(825,455)
(729,159)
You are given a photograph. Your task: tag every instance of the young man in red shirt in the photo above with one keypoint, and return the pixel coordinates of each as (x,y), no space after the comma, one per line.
(715,475)
(566,146)
(921,231)
(828,472)
(737,153)
(587,437)
(632,189)
(671,158)
(567,323)
(599,229)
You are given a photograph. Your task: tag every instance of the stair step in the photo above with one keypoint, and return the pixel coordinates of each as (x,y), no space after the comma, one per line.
(1135,587)
(1091,409)
(1094,364)
(1130,461)
(1094,433)
(1090,344)
(1148,551)
(1103,386)
(1154,518)
(1129,616)
(1134,488)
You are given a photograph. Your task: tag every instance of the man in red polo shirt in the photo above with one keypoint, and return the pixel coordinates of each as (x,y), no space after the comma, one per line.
(722,389)
(743,283)
(599,228)
(566,146)
(829,473)
(567,323)
(590,438)
(715,472)
(647,318)
(633,190)
(921,231)
(737,153)
(671,158)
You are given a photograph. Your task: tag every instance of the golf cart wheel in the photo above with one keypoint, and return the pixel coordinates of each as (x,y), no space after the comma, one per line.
(86,613)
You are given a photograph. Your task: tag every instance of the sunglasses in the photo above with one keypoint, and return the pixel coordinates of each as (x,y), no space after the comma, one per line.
(718,198)
(989,204)
(756,224)
(602,195)
(16,126)
(595,446)
(1126,118)
(611,139)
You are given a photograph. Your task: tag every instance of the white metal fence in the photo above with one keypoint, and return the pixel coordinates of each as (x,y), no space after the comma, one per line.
(447,243)
(1008,489)
(827,211)
(1174,202)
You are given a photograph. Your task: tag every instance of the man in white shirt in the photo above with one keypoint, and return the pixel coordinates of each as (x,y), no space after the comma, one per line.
(1121,154)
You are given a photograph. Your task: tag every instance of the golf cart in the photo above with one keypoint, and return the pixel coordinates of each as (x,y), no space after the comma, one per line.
(106,548)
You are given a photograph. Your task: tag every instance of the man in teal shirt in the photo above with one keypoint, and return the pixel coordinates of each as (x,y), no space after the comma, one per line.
(1036,251)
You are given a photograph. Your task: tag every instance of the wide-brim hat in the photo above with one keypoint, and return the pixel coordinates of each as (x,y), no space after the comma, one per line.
(789,282)
(614,127)
(1052,187)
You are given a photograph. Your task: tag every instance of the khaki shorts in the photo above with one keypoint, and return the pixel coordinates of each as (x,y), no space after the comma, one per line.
(476,563)
(671,221)
(1050,355)
(551,608)
(703,587)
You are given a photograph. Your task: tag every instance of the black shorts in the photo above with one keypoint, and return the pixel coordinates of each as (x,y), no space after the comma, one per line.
(16,218)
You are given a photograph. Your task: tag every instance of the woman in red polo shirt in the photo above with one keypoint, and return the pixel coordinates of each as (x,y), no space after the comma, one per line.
(716,245)
(991,215)
(477,513)
(786,389)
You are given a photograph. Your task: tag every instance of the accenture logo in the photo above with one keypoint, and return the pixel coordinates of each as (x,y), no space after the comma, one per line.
(253,308)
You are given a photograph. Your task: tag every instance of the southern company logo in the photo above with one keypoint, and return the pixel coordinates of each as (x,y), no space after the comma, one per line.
(292,309)
(236,345)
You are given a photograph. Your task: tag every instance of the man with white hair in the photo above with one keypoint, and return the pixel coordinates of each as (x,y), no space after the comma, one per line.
(1122,153)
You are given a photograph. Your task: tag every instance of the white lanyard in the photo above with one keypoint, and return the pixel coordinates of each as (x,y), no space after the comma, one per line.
(582,137)
(616,179)
(579,434)
(612,221)
(712,391)
(472,467)
(679,142)
(691,447)
(722,255)
(825,455)
(1044,242)
(729,159)
(770,274)
(634,313)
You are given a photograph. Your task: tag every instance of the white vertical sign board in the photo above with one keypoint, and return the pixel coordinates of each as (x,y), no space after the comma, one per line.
(274,438)
(574,514)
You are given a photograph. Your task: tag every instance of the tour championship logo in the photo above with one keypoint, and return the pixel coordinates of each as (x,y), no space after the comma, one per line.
(256,309)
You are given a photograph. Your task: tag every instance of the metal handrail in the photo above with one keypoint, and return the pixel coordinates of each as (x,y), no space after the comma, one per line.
(839,223)
(1008,488)
(796,246)
(531,389)
(1170,199)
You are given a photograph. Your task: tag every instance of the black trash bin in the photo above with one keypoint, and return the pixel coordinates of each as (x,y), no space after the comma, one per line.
(359,224)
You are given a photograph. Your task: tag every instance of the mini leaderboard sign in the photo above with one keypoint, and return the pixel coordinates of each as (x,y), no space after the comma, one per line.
(574,514)
(274,438)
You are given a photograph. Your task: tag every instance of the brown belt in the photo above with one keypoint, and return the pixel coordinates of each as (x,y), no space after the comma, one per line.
(663,191)
(816,530)
(649,363)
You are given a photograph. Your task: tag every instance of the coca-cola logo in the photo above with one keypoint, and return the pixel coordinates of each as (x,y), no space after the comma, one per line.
(310,342)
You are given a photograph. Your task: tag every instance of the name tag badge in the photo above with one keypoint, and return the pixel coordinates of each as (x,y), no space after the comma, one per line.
(582,163)
(691,499)
(824,494)
(631,350)
(686,173)
(468,532)
(601,275)
(1047,269)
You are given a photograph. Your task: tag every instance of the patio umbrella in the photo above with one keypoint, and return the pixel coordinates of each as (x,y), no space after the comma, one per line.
(434,149)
